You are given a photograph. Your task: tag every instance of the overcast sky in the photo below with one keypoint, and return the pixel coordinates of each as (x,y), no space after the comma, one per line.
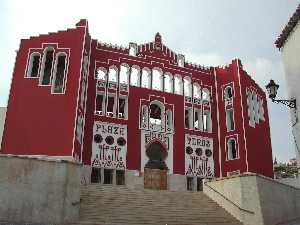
(207,32)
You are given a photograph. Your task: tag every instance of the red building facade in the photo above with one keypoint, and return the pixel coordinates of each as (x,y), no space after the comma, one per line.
(130,108)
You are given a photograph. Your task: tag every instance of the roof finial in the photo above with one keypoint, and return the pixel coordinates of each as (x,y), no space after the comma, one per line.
(158,38)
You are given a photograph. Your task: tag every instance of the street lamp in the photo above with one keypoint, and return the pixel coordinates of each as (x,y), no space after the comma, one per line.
(272,88)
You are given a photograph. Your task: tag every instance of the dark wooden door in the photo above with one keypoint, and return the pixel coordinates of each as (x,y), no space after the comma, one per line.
(155,179)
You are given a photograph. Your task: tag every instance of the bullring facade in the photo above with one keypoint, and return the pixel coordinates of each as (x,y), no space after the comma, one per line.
(121,111)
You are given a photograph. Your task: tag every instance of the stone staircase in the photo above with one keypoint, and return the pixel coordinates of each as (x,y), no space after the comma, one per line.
(116,205)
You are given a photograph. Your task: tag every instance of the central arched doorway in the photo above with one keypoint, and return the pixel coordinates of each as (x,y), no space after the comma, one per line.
(155,171)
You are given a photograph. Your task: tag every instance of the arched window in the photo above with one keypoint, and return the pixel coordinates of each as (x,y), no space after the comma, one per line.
(177,84)
(168,83)
(206,120)
(187,86)
(155,114)
(157,79)
(47,66)
(205,94)
(169,119)
(33,65)
(124,72)
(101,73)
(146,78)
(229,120)
(59,75)
(228,93)
(112,74)
(198,123)
(196,91)
(232,152)
(135,76)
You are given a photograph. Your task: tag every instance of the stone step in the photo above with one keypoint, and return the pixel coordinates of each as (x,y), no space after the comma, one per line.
(114,205)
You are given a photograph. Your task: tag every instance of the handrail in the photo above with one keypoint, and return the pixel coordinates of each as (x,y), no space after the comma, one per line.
(227,199)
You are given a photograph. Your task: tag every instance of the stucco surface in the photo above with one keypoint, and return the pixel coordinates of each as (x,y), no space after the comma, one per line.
(256,199)
(291,61)
(2,120)
(38,191)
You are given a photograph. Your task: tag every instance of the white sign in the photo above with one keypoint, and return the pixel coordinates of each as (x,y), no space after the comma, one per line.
(109,147)
(199,156)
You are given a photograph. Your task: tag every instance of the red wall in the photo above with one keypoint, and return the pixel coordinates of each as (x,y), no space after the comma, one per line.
(37,121)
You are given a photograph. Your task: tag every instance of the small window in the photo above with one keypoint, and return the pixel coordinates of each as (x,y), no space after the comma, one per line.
(228,93)
(229,120)
(188,118)
(34,64)
(123,107)
(47,66)
(99,104)
(59,76)
(110,111)
(199,184)
(231,149)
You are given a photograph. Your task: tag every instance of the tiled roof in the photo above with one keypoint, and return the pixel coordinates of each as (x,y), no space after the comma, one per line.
(288,28)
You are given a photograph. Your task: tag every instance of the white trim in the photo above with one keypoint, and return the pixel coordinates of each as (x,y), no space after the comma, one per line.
(87,85)
(241,99)
(235,137)
(29,64)
(41,77)
(218,121)
(77,100)
(65,72)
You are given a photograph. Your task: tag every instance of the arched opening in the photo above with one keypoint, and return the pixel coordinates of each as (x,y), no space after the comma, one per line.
(155,114)
(34,64)
(205,95)
(124,71)
(59,75)
(231,149)
(135,76)
(187,86)
(196,91)
(47,66)
(146,78)
(178,84)
(157,79)
(228,93)
(157,154)
(112,74)
(168,84)
(101,73)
